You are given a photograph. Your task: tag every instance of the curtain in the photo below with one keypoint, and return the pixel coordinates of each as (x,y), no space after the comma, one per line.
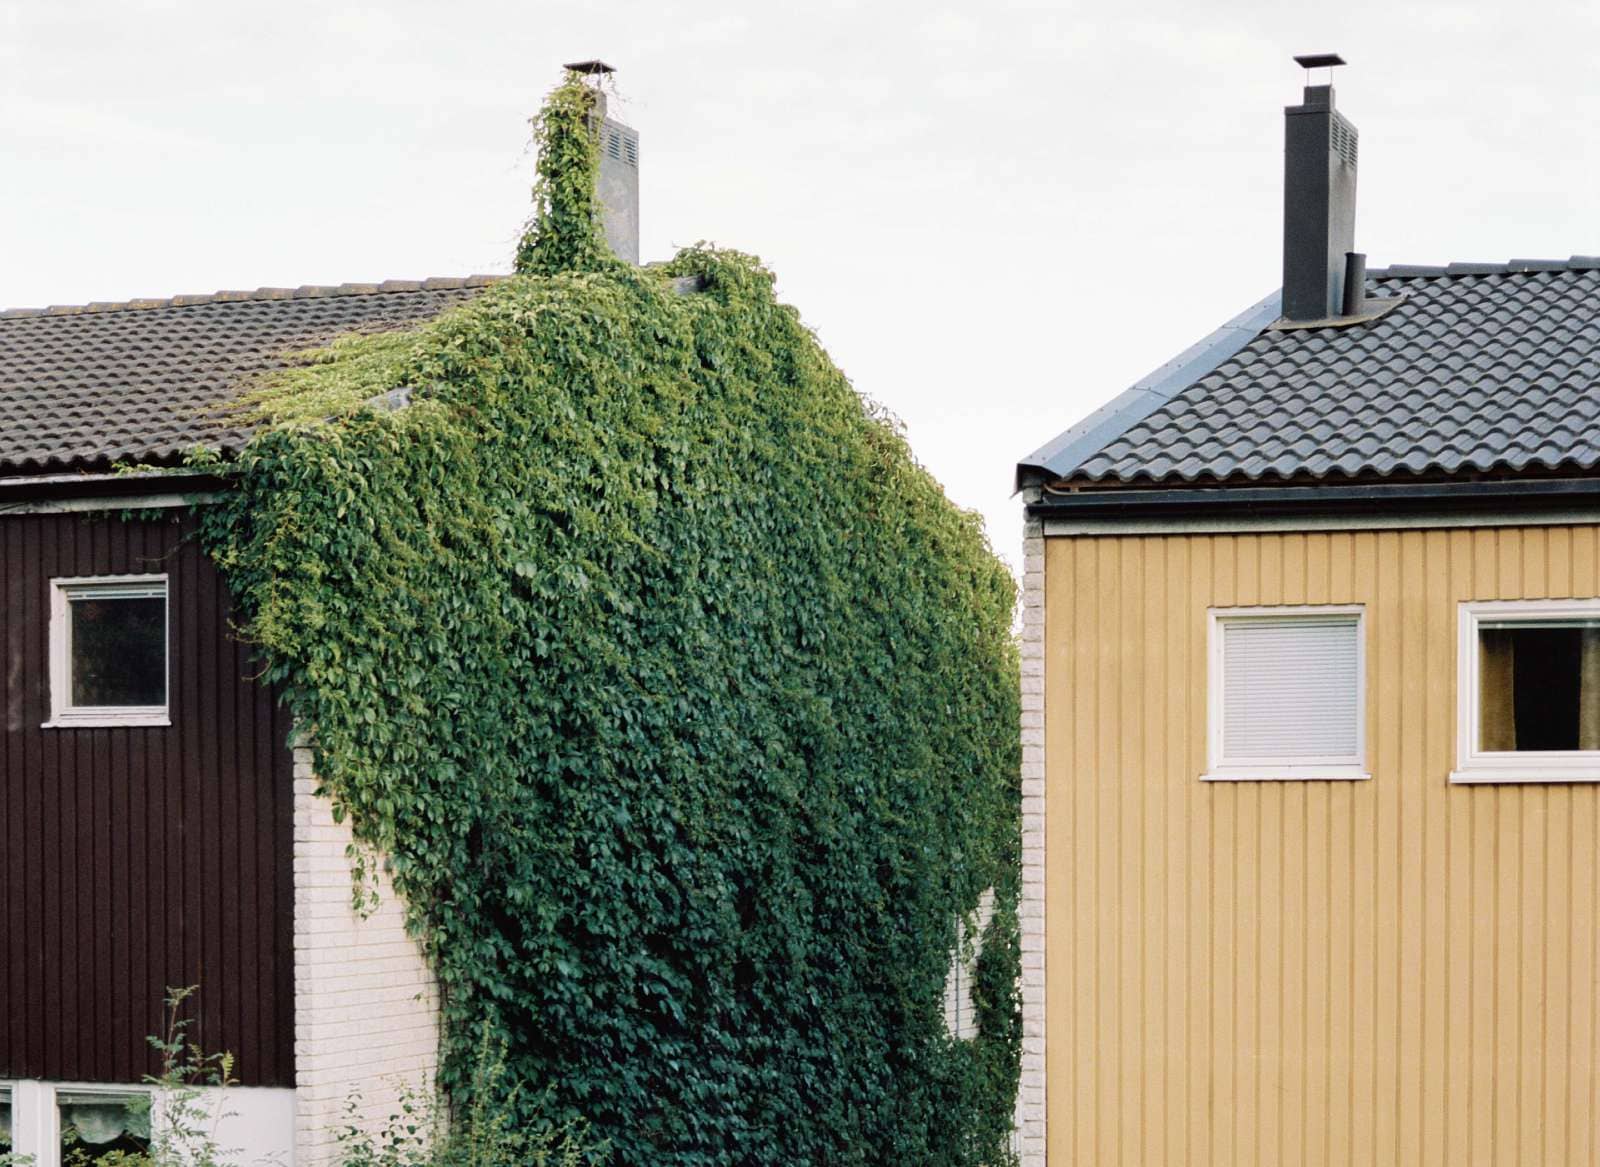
(98,1120)
(1589,691)
(1497,721)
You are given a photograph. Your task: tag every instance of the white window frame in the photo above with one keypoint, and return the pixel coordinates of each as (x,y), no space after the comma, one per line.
(1476,766)
(65,715)
(57,1089)
(8,1091)
(1350,767)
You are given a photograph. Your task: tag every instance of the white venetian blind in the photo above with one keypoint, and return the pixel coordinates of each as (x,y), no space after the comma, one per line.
(1291,688)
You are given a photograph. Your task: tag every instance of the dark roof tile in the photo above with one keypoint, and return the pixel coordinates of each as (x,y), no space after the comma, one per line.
(1480,368)
(86,386)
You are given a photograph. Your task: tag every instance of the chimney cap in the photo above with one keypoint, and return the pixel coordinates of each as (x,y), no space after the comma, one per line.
(1311,60)
(592,68)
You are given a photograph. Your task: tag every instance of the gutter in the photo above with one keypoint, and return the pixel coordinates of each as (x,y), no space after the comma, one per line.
(1372,499)
(136,490)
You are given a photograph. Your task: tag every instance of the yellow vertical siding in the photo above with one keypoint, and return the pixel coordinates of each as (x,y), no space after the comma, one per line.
(1398,971)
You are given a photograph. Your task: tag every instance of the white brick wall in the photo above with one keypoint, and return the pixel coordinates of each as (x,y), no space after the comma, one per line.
(960,1013)
(366,1002)
(1031,1095)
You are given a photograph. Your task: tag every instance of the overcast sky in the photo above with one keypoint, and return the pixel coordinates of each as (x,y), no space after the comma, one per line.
(995,215)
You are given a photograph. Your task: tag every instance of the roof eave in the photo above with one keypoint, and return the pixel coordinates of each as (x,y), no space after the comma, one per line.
(1319,499)
(22,489)
(1058,458)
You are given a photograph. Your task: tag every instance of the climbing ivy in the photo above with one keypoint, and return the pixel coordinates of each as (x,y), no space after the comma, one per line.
(680,698)
(565,233)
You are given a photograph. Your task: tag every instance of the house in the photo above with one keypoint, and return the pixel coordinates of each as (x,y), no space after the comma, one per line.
(1312,722)
(157,830)
(565,593)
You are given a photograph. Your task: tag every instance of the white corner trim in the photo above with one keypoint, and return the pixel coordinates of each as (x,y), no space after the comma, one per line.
(1031,1100)
(1475,766)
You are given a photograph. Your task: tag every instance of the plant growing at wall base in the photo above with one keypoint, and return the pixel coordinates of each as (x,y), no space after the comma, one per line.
(680,698)
(181,1114)
(488,1130)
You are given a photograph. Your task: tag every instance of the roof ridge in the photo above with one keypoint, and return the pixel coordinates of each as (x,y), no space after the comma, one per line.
(1510,267)
(304,292)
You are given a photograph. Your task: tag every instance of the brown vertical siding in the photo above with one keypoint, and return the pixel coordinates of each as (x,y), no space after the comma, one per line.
(135,859)
(1398,971)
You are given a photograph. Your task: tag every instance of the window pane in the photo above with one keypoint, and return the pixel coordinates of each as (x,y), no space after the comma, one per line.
(119,651)
(5,1119)
(1291,689)
(94,1126)
(1539,687)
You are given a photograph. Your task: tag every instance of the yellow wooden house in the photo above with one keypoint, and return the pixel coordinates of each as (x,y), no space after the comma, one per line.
(1312,724)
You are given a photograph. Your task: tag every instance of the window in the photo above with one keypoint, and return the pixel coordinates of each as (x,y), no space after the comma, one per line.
(5,1121)
(1287,694)
(94,1124)
(108,651)
(1528,692)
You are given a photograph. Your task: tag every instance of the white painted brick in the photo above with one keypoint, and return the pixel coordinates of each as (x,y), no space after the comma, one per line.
(366,1001)
(1030,1116)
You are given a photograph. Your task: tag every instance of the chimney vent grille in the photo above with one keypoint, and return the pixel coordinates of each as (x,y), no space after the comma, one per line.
(622,145)
(1346,141)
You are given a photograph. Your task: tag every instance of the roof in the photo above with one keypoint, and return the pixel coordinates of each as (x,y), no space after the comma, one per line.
(1480,368)
(83,388)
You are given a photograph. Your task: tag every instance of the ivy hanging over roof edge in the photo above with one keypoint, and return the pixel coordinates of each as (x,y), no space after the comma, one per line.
(680,698)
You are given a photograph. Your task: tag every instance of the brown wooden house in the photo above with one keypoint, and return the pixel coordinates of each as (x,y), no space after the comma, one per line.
(156,828)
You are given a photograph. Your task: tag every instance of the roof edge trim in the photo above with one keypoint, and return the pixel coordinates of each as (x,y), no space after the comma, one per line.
(143,484)
(1367,497)
(304,292)
(1067,451)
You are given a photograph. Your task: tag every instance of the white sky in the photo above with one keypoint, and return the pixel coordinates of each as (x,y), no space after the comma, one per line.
(995,215)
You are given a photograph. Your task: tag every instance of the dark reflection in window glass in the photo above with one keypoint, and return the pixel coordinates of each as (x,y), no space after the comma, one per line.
(1539,687)
(119,651)
(103,1129)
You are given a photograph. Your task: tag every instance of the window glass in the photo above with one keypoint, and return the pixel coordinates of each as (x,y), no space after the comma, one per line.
(5,1119)
(119,651)
(1538,685)
(96,1125)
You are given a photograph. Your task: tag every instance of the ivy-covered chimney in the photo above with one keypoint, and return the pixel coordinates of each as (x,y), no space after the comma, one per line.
(617,183)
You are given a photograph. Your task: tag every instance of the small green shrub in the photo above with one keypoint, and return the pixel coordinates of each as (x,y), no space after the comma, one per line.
(184,1133)
(490,1130)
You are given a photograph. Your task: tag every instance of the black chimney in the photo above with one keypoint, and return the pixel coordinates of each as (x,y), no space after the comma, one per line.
(1319,201)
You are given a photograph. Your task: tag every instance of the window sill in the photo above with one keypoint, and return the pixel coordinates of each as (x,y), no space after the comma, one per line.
(1532,774)
(98,720)
(1286,774)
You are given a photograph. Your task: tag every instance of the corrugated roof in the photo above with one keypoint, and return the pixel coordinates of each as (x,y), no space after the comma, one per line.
(82,388)
(1482,367)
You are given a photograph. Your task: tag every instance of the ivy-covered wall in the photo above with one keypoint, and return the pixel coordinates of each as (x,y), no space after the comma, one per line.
(680,697)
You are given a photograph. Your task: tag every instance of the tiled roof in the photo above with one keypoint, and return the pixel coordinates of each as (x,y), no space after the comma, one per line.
(83,388)
(1480,368)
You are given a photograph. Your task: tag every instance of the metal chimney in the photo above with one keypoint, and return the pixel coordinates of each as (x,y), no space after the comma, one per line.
(1319,200)
(617,184)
